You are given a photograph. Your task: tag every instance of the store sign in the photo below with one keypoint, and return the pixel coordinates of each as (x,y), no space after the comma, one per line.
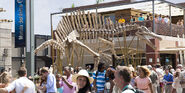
(20,23)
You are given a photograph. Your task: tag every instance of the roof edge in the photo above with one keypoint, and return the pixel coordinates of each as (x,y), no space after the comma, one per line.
(101,5)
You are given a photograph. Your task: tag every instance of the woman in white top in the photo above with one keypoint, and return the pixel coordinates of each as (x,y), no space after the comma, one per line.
(176,84)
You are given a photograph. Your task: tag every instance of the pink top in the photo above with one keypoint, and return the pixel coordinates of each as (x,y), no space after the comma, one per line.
(143,84)
(66,88)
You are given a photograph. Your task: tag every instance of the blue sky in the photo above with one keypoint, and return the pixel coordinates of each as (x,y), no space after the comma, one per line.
(43,8)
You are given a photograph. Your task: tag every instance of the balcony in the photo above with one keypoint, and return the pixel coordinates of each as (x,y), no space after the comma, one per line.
(163,28)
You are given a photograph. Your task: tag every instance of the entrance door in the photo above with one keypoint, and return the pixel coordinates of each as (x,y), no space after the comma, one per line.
(168,59)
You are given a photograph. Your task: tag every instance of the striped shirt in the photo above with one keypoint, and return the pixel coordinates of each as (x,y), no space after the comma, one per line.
(100,80)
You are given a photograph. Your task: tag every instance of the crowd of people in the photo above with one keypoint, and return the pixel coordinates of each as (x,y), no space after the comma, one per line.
(137,18)
(180,22)
(158,19)
(106,79)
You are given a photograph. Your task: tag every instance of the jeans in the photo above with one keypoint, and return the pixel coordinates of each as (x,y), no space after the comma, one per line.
(168,88)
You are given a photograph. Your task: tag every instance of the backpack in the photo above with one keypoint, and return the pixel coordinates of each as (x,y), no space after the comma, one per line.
(135,90)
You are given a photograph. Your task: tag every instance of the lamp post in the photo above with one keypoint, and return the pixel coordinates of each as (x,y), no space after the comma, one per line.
(153,10)
(30,37)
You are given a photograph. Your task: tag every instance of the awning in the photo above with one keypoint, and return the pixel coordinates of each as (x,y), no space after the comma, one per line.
(171,50)
(160,6)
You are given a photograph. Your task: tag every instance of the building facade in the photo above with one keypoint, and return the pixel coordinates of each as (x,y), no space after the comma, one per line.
(42,58)
(5,45)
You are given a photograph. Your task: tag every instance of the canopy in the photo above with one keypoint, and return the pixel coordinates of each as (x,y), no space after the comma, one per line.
(160,7)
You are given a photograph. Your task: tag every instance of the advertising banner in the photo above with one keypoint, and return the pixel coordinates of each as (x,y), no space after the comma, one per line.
(20,23)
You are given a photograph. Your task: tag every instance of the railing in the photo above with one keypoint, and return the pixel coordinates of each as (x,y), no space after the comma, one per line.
(164,28)
(148,24)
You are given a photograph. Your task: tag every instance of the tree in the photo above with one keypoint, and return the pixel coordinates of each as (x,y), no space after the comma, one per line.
(73,5)
(97,2)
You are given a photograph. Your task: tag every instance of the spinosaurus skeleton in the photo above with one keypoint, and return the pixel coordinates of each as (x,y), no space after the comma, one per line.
(79,28)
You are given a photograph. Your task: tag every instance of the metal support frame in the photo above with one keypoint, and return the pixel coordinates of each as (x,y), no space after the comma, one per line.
(183,34)
(52,36)
(153,10)
(30,37)
(170,15)
(184,18)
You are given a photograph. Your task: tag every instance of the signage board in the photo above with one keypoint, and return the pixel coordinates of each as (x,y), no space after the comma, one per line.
(20,23)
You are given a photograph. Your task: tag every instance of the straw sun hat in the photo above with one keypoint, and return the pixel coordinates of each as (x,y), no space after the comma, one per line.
(82,73)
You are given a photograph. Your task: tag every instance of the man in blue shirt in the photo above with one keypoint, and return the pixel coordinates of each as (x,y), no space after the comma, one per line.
(100,78)
(168,80)
(141,18)
(160,18)
(51,81)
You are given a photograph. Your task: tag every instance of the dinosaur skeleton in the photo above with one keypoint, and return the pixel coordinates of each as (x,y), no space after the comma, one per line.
(82,29)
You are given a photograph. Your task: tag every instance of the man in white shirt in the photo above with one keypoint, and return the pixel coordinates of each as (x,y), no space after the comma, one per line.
(20,84)
(166,19)
(10,71)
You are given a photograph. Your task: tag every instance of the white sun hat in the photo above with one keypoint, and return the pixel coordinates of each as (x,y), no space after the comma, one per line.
(82,73)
